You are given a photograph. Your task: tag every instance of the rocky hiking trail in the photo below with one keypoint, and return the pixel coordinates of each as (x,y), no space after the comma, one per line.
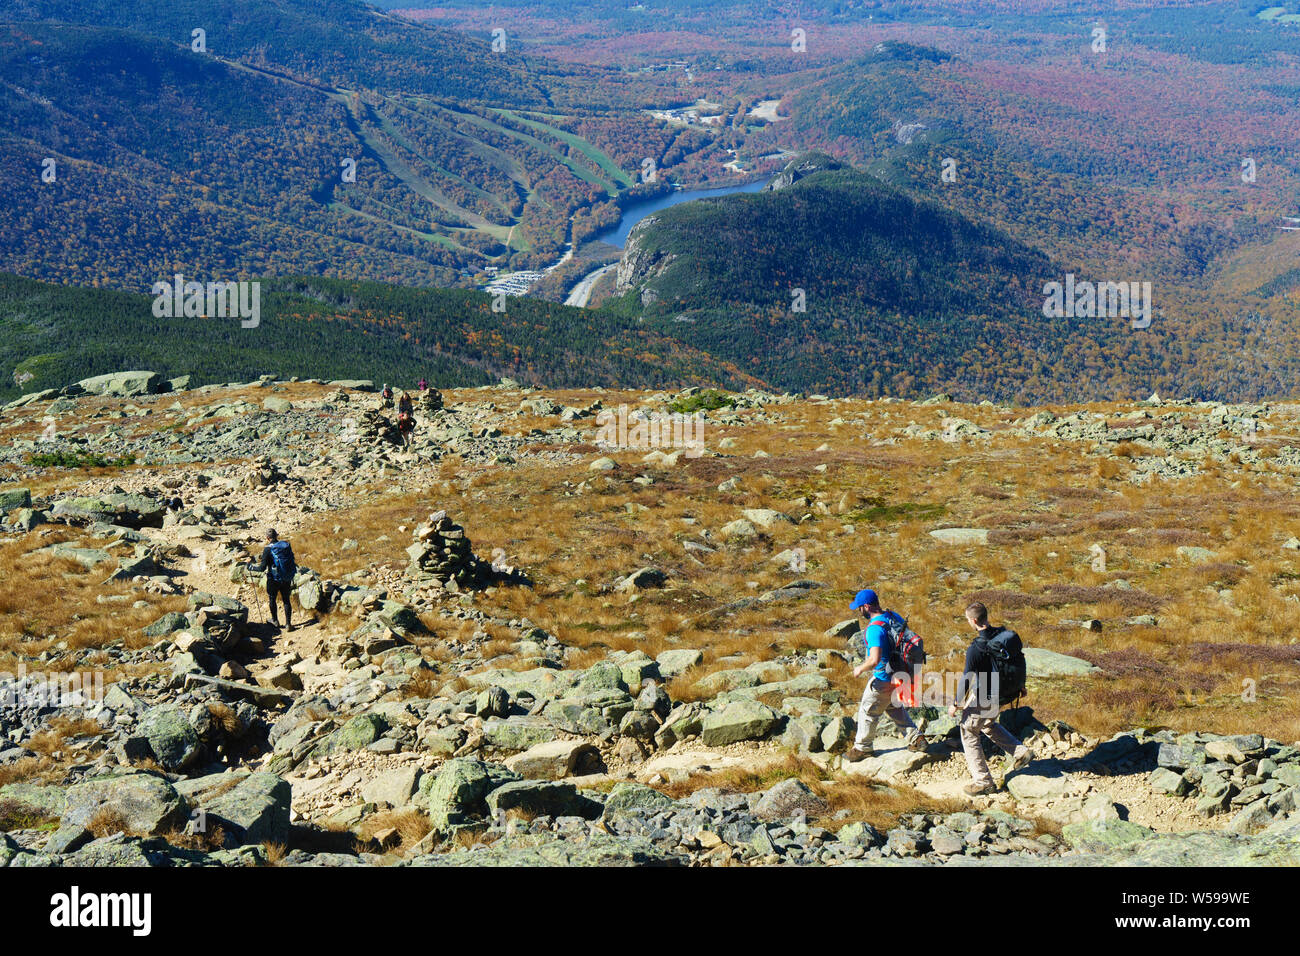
(416,717)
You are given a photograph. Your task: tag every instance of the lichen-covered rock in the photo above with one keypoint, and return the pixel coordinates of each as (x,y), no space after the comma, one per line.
(739,720)
(143,803)
(174,742)
(633,798)
(255,810)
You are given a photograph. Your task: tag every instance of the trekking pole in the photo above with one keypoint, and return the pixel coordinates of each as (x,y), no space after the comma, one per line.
(239,596)
(246,584)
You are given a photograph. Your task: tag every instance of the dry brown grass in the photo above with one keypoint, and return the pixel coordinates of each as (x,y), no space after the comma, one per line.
(76,726)
(456,685)
(746,780)
(206,841)
(106,821)
(1108,469)
(45,743)
(225,717)
(318,546)
(878,805)
(409,827)
(67,610)
(468,839)
(872,803)
(39,769)
(423,685)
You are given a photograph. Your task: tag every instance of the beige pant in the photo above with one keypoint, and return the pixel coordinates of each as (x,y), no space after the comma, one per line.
(876,699)
(979,721)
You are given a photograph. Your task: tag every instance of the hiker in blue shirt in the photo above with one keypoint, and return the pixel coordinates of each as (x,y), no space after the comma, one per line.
(278,563)
(877,697)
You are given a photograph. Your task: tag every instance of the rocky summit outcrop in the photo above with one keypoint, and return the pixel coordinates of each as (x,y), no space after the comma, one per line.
(800,167)
(639,261)
(123,384)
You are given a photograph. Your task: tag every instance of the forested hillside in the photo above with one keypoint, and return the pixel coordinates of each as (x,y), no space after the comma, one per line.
(51,335)
(333,42)
(318,138)
(902,297)
(1089,177)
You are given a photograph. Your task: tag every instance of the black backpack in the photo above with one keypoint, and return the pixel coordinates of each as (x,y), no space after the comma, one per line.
(1008,656)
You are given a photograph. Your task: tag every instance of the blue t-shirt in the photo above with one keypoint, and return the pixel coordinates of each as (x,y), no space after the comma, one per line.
(877,636)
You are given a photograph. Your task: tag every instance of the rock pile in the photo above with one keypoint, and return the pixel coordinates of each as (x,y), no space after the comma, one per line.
(263,473)
(1249,776)
(430,401)
(374,427)
(441,555)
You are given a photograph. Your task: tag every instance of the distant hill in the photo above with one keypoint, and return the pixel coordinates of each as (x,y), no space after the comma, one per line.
(307,138)
(1084,177)
(334,42)
(899,295)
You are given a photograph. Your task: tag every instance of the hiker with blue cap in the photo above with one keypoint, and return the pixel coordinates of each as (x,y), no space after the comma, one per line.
(882,632)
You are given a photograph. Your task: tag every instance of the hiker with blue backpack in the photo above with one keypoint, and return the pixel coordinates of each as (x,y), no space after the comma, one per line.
(893,655)
(278,563)
(994,676)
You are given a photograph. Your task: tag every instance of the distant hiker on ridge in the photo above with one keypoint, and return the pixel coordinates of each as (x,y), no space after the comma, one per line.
(994,675)
(405,419)
(278,563)
(881,641)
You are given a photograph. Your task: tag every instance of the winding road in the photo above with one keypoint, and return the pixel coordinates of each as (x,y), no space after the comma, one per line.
(582,291)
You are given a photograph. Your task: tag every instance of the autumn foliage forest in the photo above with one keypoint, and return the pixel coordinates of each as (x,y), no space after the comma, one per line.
(1152,140)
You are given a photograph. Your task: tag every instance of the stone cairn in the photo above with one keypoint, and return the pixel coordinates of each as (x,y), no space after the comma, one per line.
(263,473)
(430,401)
(374,427)
(441,554)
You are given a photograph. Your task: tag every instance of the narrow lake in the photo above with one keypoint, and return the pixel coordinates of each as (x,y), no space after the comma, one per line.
(617,235)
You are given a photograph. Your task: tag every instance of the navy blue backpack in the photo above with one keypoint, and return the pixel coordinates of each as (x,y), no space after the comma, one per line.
(282,566)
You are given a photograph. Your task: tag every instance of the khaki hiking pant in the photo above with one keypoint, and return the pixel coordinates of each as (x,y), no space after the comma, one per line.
(977,721)
(876,699)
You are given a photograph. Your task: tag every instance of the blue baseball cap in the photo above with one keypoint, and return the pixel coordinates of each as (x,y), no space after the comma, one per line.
(863,598)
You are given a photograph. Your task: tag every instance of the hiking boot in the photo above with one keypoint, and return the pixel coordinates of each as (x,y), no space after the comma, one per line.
(1021,758)
(275,624)
(979,789)
(857,753)
(919,743)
